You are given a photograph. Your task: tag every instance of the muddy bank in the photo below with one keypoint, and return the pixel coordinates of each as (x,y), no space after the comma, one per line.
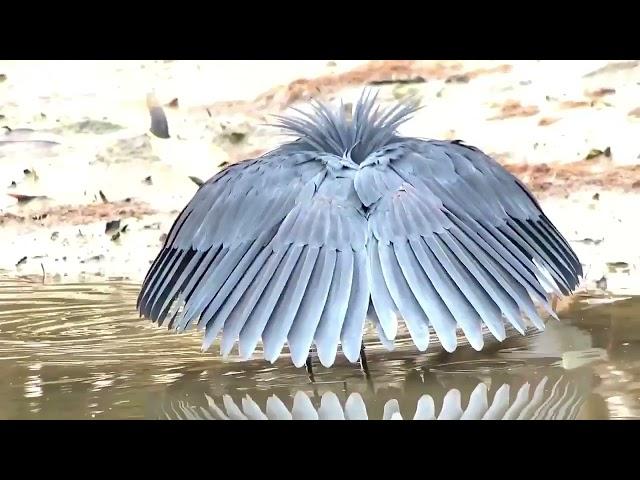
(87,191)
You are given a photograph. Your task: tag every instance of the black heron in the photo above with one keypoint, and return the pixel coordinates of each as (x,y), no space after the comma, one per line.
(351,221)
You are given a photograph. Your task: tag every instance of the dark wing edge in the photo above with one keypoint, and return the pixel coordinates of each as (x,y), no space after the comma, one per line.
(259,254)
(454,245)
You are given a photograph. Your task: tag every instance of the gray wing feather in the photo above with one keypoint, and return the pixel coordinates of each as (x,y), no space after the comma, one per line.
(416,321)
(353,326)
(372,316)
(493,240)
(523,239)
(233,276)
(307,318)
(472,290)
(213,319)
(485,274)
(214,254)
(179,283)
(275,333)
(467,216)
(498,193)
(236,318)
(386,309)
(198,297)
(211,292)
(327,335)
(154,276)
(253,328)
(445,287)
(456,239)
(165,283)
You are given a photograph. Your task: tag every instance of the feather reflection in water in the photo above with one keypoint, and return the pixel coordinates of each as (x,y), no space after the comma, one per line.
(544,400)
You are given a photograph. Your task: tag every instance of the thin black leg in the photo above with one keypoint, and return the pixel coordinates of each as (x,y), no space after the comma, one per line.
(309,366)
(363,362)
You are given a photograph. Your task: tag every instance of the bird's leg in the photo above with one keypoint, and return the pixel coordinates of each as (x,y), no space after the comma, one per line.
(365,368)
(363,362)
(309,366)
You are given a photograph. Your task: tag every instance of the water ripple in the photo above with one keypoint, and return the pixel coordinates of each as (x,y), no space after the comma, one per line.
(80,351)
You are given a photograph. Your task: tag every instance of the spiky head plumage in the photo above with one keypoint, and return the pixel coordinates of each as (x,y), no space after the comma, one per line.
(330,129)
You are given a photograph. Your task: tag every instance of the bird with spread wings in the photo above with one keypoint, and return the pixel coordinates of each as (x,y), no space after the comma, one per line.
(349,221)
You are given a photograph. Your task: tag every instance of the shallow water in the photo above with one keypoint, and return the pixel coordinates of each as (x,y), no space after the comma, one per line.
(79,351)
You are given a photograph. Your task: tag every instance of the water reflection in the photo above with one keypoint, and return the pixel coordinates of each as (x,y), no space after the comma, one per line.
(79,351)
(547,399)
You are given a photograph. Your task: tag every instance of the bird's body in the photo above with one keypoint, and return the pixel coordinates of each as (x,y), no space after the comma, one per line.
(292,247)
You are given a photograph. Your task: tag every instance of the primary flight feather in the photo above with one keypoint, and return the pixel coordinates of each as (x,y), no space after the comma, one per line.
(291,248)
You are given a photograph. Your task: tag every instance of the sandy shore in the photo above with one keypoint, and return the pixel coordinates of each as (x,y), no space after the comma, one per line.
(87,191)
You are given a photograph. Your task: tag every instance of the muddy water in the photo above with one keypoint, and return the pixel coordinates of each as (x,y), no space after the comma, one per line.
(79,351)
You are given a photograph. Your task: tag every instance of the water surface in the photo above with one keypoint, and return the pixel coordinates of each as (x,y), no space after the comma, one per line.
(79,351)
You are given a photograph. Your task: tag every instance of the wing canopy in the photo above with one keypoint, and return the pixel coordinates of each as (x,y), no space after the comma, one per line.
(270,249)
(457,242)
(294,247)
